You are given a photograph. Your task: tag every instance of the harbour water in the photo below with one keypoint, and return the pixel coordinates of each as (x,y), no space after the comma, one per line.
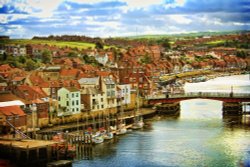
(199,136)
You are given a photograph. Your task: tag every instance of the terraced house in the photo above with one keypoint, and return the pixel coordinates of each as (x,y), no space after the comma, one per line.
(69,101)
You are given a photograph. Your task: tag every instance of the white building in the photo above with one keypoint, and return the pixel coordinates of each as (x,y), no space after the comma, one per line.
(69,101)
(124,93)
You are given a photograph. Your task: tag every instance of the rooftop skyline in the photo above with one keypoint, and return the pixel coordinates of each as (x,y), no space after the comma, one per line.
(111,18)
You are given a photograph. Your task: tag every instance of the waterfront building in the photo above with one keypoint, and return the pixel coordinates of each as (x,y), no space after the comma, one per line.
(110,92)
(124,92)
(12,115)
(91,94)
(35,96)
(69,101)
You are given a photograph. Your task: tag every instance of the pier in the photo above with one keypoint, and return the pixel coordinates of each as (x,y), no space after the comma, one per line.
(25,152)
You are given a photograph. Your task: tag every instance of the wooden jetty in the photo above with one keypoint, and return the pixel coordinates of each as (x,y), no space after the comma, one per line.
(26,152)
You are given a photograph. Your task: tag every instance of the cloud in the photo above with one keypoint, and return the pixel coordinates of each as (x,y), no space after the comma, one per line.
(120,17)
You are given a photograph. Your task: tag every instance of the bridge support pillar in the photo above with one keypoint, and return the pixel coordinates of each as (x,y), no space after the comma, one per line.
(168,108)
(232,108)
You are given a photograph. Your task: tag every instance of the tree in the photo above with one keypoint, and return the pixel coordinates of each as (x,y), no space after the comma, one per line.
(22,59)
(72,54)
(146,59)
(46,56)
(241,54)
(5,56)
(99,45)
(30,65)
(166,43)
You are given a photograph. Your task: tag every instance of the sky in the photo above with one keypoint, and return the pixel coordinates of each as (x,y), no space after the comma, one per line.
(112,18)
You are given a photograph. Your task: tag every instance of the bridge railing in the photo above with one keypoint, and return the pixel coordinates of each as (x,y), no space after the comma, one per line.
(201,95)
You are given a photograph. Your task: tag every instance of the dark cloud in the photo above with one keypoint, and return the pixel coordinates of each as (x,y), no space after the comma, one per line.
(8,9)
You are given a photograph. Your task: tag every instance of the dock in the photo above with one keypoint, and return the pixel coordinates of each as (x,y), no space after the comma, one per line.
(27,152)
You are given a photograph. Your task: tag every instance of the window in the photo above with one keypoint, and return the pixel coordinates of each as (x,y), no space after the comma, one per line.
(97,106)
(102,106)
(73,94)
(73,103)
(77,94)
(67,95)
(77,109)
(93,107)
(77,102)
(59,98)
(93,95)
(67,103)
(101,99)
(73,109)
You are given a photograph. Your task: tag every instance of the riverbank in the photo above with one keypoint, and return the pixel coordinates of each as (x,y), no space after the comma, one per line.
(144,112)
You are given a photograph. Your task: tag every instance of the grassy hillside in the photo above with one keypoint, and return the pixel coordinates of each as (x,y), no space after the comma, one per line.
(184,35)
(80,45)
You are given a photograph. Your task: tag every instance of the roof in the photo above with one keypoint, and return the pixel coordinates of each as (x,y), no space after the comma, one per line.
(69,72)
(12,110)
(18,79)
(72,89)
(7,96)
(11,103)
(30,92)
(91,91)
(53,68)
(89,81)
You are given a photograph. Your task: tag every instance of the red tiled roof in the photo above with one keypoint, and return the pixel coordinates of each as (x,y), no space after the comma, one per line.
(103,73)
(5,68)
(30,92)
(70,72)
(12,110)
(18,78)
(9,97)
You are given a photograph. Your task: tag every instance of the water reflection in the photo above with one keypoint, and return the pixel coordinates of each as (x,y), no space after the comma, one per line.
(199,136)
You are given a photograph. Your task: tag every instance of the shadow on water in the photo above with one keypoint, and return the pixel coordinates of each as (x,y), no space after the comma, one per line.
(236,121)
(90,152)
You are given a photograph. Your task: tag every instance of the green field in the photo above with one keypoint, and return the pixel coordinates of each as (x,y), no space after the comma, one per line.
(216,42)
(79,45)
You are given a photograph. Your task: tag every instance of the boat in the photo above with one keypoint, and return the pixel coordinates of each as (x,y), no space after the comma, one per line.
(97,139)
(107,134)
(138,124)
(65,149)
(121,129)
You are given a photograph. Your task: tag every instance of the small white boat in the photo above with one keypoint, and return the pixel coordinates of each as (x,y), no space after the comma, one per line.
(97,139)
(108,136)
(121,129)
(138,124)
